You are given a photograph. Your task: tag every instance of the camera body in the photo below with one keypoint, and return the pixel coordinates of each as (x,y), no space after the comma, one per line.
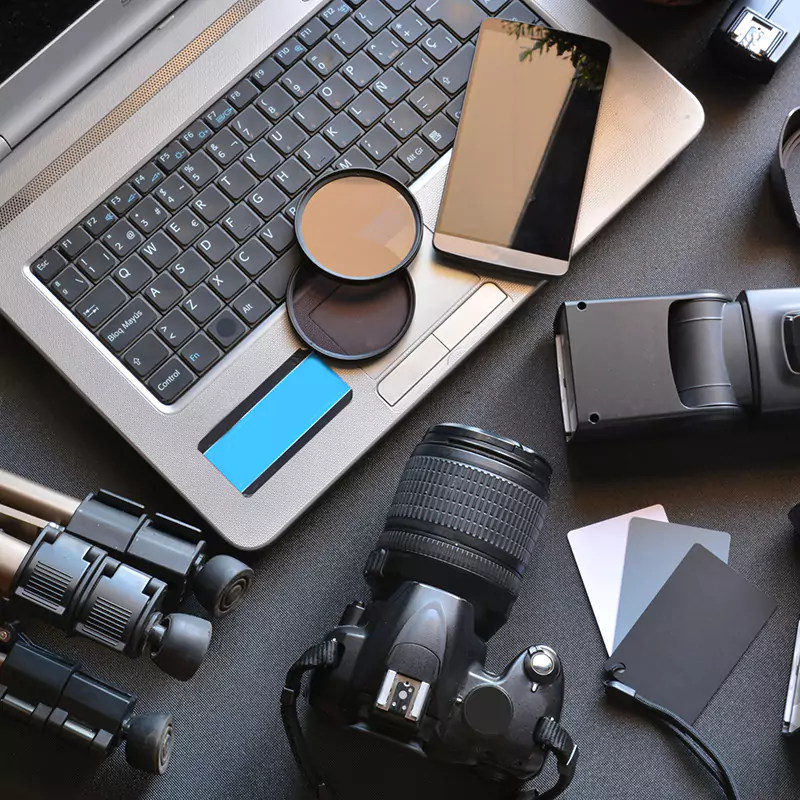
(412,668)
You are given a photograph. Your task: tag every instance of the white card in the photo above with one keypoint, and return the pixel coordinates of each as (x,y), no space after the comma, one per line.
(599,552)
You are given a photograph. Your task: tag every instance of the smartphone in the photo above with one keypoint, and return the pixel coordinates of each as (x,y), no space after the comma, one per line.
(522,149)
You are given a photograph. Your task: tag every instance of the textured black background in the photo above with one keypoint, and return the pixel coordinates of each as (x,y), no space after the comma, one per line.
(709,222)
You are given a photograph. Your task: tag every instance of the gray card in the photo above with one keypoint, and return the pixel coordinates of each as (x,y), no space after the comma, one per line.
(653,552)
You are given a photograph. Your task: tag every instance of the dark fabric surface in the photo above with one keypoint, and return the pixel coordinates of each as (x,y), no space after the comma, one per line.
(709,222)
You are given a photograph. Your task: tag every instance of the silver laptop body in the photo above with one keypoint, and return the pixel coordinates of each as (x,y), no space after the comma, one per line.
(51,179)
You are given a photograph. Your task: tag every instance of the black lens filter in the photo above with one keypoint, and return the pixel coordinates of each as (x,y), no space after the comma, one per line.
(353,298)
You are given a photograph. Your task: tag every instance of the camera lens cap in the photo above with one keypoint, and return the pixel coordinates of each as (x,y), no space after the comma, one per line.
(346,320)
(359,225)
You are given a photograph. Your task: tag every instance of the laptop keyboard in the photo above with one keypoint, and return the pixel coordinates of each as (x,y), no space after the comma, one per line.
(195,250)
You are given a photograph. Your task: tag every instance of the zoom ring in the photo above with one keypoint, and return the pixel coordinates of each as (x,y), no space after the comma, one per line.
(471,501)
(447,552)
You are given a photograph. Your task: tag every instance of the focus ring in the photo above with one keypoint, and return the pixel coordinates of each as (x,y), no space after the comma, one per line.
(447,552)
(472,501)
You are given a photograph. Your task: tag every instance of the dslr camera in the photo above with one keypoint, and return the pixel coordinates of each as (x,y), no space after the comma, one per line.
(444,576)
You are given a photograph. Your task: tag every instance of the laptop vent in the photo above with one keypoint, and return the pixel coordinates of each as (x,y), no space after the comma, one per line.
(81,148)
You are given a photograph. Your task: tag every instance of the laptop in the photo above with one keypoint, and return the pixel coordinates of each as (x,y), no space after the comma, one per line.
(152,156)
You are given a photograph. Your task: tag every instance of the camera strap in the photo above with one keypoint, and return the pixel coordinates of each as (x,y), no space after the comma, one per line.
(323,655)
(553,738)
(686,734)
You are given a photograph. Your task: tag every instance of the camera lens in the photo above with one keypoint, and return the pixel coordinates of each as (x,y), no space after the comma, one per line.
(465,519)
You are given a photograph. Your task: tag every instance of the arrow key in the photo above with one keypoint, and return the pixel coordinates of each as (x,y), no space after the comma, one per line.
(176,328)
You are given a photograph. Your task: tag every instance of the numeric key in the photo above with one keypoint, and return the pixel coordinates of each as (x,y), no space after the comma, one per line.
(123,239)
(300,80)
(96,262)
(275,102)
(174,192)
(199,170)
(249,125)
(148,215)
(325,58)
(225,147)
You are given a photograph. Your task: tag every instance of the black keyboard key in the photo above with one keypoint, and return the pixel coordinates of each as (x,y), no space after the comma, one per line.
(261,159)
(252,305)
(70,285)
(275,280)
(174,192)
(317,153)
(311,114)
(385,48)
(267,199)
(164,291)
(290,52)
(349,37)
(287,136)
(225,147)
(249,125)
(325,59)
(199,170)
(519,12)
(454,107)
(96,262)
(391,87)
(312,32)
(236,181)
(123,238)
(185,227)
(427,98)
(101,302)
(221,113)
(148,215)
(342,131)
(277,234)
(241,222)
(402,121)
(415,65)
(176,328)
(146,355)
(216,245)
(201,304)
(463,17)
(409,26)
(172,155)
(226,329)
(266,72)
(416,155)
(227,281)
(292,176)
(453,74)
(366,109)
(74,242)
(334,13)
(300,80)
(190,268)
(378,143)
(48,265)
(124,198)
(361,70)
(201,353)
(196,135)
(290,209)
(373,15)
(354,158)
(275,102)
(210,204)
(242,94)
(148,177)
(128,325)
(171,381)
(159,250)
(440,43)
(133,273)
(99,221)
(439,132)
(253,257)
(336,92)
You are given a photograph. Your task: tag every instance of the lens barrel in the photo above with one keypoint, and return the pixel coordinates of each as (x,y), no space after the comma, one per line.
(465,519)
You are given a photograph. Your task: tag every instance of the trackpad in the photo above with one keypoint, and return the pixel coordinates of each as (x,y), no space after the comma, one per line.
(264,431)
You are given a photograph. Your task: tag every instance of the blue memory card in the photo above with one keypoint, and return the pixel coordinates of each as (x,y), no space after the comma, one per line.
(274,422)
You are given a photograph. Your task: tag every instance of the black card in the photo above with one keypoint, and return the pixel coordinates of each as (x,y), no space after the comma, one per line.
(691,636)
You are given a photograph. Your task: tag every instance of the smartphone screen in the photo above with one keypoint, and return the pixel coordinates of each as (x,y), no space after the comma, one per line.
(518,167)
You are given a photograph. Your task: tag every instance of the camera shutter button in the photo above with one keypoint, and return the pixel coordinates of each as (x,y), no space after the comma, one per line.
(488,710)
(541,665)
